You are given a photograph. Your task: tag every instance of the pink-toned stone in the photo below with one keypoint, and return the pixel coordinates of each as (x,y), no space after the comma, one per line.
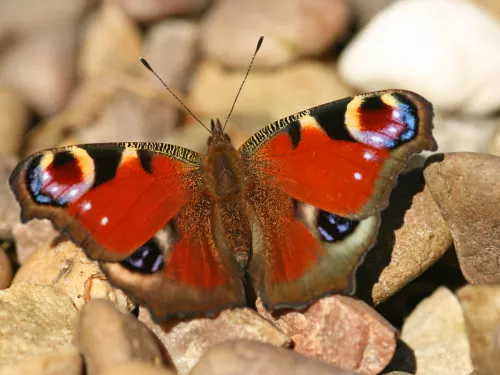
(186,341)
(32,235)
(339,330)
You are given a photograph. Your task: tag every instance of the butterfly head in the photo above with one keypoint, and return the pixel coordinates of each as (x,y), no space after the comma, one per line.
(218,136)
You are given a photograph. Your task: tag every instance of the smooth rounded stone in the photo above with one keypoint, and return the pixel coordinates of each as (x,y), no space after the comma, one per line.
(107,337)
(135,368)
(414,45)
(251,357)
(6,271)
(494,147)
(413,236)
(9,209)
(270,95)
(187,341)
(32,235)
(21,17)
(364,11)
(482,315)
(170,47)
(65,362)
(66,267)
(491,6)
(41,68)
(153,10)
(35,320)
(339,330)
(435,330)
(111,41)
(458,134)
(292,29)
(465,188)
(14,120)
(397,373)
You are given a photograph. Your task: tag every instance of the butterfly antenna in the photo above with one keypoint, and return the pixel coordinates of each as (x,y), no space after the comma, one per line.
(146,64)
(259,43)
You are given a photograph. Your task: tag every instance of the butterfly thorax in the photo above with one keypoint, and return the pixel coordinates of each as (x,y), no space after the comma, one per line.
(224,184)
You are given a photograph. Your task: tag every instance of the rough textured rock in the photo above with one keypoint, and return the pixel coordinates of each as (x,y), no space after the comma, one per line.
(9,209)
(435,330)
(187,341)
(6,271)
(151,10)
(270,95)
(135,368)
(435,29)
(35,320)
(256,358)
(41,68)
(413,235)
(482,317)
(66,267)
(14,119)
(108,337)
(66,362)
(339,330)
(170,48)
(112,41)
(32,235)
(292,29)
(462,186)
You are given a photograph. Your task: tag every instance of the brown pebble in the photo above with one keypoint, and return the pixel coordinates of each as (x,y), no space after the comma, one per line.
(465,188)
(186,341)
(256,358)
(6,271)
(107,337)
(14,120)
(9,209)
(482,316)
(340,330)
(136,368)
(65,266)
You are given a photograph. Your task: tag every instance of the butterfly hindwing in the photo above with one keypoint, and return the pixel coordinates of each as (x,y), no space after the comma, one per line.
(138,208)
(323,175)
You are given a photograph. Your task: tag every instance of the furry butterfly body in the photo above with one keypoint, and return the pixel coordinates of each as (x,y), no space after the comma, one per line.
(289,215)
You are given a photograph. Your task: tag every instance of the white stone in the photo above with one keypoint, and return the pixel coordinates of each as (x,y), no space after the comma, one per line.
(446,50)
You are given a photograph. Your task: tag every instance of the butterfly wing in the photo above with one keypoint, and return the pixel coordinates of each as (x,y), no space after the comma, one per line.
(122,201)
(320,178)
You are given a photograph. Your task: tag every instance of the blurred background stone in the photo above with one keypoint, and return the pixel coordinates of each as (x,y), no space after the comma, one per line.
(421,45)
(9,208)
(6,270)
(293,29)
(153,10)
(14,121)
(435,330)
(32,235)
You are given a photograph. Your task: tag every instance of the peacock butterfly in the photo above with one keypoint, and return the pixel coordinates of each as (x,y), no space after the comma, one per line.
(289,215)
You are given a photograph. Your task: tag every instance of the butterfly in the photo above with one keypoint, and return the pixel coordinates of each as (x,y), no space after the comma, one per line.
(288,216)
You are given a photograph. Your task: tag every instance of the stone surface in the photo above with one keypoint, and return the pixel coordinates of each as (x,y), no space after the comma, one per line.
(107,337)
(187,341)
(135,368)
(256,358)
(21,17)
(494,146)
(364,11)
(462,186)
(6,271)
(481,308)
(14,119)
(491,6)
(292,29)
(269,95)
(170,47)
(413,235)
(32,235)
(9,209)
(66,362)
(112,41)
(152,10)
(435,330)
(415,44)
(66,267)
(35,320)
(339,330)
(41,68)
